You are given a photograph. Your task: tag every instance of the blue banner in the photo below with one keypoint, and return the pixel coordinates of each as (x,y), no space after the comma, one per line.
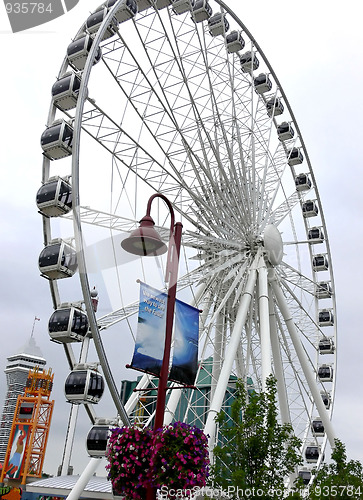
(150,337)
(185,346)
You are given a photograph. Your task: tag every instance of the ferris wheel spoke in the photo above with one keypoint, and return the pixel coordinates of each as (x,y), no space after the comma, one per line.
(207,121)
(154,65)
(198,241)
(265,177)
(243,170)
(223,109)
(297,279)
(115,222)
(114,317)
(147,166)
(151,170)
(306,321)
(278,215)
(161,131)
(128,151)
(232,288)
(106,220)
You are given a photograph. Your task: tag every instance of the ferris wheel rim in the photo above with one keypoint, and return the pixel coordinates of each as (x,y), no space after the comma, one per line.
(75,158)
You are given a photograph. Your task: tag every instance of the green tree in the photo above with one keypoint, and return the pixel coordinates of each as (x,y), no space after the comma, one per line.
(339,479)
(256,453)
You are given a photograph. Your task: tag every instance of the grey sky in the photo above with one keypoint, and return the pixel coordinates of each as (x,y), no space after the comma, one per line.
(315,50)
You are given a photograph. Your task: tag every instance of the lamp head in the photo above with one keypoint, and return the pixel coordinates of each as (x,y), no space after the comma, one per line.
(145,240)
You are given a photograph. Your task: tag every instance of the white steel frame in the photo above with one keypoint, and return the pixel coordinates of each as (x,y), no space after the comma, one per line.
(186,121)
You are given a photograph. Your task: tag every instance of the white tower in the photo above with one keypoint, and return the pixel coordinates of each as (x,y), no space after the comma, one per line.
(16,372)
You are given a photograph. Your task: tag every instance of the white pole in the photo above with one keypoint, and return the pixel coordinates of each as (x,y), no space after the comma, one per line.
(171,405)
(217,354)
(266,368)
(134,398)
(86,475)
(217,401)
(69,439)
(279,371)
(72,422)
(308,372)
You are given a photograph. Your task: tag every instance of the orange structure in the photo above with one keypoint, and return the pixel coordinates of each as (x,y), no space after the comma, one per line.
(10,493)
(30,428)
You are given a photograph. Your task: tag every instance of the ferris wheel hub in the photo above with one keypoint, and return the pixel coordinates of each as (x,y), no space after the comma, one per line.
(274,247)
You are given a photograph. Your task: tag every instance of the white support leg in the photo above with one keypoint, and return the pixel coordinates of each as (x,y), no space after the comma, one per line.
(266,368)
(73,415)
(172,405)
(134,398)
(217,354)
(241,364)
(279,371)
(217,401)
(309,374)
(86,475)
(69,439)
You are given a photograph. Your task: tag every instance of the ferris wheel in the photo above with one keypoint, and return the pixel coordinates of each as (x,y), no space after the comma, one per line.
(176,97)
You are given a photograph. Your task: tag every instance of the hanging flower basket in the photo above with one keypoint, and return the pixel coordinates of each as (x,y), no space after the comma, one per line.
(180,459)
(175,456)
(128,455)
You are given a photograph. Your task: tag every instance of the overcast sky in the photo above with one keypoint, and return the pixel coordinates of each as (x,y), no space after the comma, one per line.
(315,49)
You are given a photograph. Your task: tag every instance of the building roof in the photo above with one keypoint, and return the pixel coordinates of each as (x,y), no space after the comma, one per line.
(97,487)
(28,356)
(30,347)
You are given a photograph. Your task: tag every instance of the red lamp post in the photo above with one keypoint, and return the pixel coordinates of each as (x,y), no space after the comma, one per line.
(146,241)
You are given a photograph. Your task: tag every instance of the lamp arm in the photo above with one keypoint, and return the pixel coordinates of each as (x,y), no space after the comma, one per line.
(175,238)
(170,206)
